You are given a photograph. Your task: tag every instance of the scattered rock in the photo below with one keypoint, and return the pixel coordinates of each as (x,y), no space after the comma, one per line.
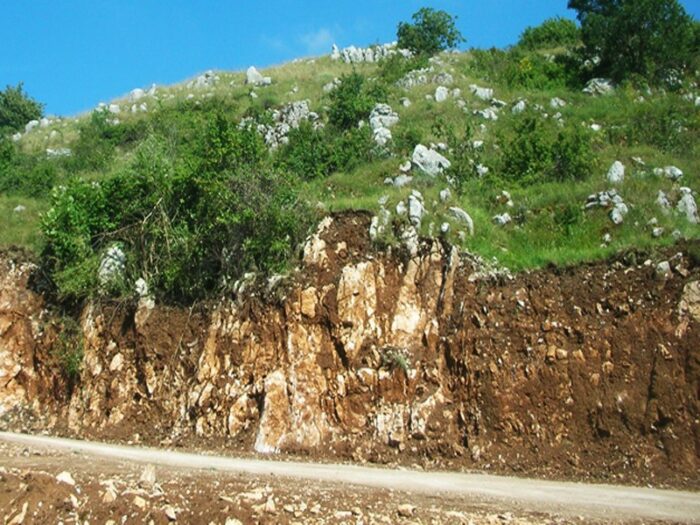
(255,78)
(65,477)
(519,107)
(481,93)
(663,271)
(19,208)
(382,116)
(598,86)
(170,513)
(445,195)
(502,219)
(463,217)
(355,55)
(441,94)
(616,173)
(416,210)
(687,206)
(112,265)
(406,510)
(557,103)
(429,161)
(670,172)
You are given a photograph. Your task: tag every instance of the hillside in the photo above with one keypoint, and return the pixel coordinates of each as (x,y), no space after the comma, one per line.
(546,173)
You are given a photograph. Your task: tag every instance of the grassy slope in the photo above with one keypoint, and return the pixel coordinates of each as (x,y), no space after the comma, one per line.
(540,240)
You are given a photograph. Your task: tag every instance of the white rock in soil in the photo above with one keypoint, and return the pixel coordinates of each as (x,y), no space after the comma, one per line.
(687,206)
(463,217)
(557,103)
(416,210)
(382,116)
(663,202)
(616,173)
(112,265)
(401,208)
(405,167)
(598,86)
(663,270)
(444,79)
(657,232)
(141,287)
(16,137)
(502,219)
(65,477)
(405,102)
(255,78)
(445,227)
(670,172)
(488,113)
(19,208)
(617,214)
(481,92)
(31,125)
(382,136)
(519,107)
(114,109)
(481,170)
(429,161)
(136,94)
(441,94)
(44,122)
(402,180)
(445,195)
(596,127)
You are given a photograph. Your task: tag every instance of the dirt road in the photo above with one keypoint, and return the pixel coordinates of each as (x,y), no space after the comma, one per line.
(562,498)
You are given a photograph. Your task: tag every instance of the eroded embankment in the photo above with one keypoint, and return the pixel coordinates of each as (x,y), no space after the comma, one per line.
(591,372)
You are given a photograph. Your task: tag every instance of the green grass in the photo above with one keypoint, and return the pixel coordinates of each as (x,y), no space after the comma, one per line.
(540,240)
(20,228)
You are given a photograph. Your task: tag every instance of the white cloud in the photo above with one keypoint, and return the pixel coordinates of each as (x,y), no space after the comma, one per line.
(318,42)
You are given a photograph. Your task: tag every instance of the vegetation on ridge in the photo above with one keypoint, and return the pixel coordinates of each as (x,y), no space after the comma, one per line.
(193,195)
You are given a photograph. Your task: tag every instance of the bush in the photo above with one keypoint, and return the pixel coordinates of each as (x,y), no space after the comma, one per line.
(353,100)
(312,153)
(188,230)
(636,37)
(22,174)
(397,66)
(553,32)
(539,150)
(95,146)
(518,69)
(16,109)
(430,33)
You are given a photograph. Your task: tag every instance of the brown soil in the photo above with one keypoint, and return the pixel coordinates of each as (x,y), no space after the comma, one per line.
(133,493)
(586,373)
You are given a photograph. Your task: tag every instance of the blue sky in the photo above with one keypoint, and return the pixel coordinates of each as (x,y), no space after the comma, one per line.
(72,54)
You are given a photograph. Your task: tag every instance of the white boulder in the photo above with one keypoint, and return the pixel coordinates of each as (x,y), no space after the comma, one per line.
(463,217)
(687,206)
(429,161)
(441,94)
(598,86)
(255,78)
(616,173)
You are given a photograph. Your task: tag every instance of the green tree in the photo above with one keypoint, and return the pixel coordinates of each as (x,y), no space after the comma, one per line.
(17,108)
(431,32)
(553,32)
(636,37)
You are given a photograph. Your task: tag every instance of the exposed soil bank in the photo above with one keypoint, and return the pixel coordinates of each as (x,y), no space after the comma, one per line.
(590,372)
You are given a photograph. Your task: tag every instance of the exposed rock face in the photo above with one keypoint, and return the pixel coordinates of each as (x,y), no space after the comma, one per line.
(598,86)
(368,353)
(354,55)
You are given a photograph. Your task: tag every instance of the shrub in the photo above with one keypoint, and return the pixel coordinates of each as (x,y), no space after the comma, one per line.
(553,32)
(430,33)
(540,151)
(643,37)
(68,350)
(312,153)
(16,109)
(189,231)
(95,147)
(518,69)
(397,66)
(22,174)
(353,100)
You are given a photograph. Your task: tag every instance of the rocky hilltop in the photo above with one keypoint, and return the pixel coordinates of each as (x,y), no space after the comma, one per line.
(415,354)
